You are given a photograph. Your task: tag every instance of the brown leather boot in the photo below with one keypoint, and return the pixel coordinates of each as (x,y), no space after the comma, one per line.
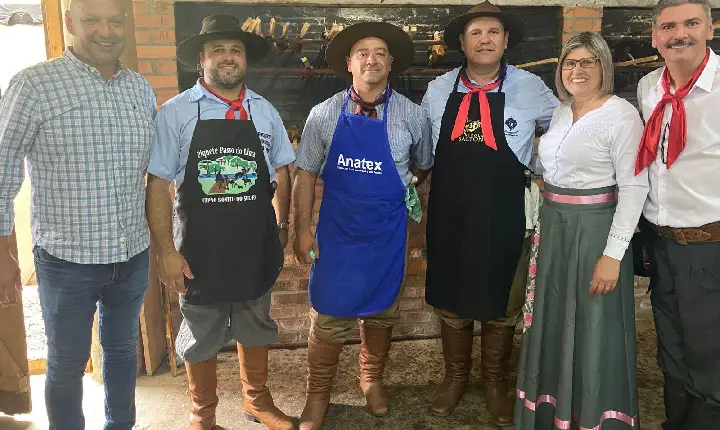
(457,347)
(322,359)
(202,386)
(258,402)
(374,348)
(496,344)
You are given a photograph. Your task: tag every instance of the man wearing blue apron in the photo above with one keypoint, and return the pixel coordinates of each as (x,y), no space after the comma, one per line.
(484,117)
(227,151)
(364,141)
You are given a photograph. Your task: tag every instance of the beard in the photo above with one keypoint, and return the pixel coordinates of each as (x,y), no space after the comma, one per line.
(225,81)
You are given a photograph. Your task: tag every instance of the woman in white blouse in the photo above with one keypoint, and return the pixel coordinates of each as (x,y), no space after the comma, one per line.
(578,360)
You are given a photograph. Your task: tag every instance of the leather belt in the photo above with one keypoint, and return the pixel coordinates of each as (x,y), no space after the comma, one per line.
(683,236)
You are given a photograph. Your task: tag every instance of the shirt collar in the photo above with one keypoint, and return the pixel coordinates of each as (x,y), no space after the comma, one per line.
(198,92)
(80,64)
(509,69)
(381,96)
(707,76)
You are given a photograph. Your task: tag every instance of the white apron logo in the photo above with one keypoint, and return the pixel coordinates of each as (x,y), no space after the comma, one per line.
(359,165)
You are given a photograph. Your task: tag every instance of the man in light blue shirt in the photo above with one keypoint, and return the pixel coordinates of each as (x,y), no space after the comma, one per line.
(226,150)
(484,115)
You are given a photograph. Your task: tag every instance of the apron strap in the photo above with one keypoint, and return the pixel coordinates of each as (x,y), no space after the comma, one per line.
(345,102)
(388,93)
(249,110)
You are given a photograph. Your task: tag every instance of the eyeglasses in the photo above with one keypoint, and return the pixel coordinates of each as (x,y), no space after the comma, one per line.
(585,63)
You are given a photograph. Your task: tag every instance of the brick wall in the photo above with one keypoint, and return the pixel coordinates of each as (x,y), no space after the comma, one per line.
(577,19)
(155,39)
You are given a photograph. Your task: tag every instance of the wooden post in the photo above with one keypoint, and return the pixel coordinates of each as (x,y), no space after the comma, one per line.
(53,23)
(152,320)
(15,381)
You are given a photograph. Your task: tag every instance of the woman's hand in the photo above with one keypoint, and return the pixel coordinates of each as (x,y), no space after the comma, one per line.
(605,276)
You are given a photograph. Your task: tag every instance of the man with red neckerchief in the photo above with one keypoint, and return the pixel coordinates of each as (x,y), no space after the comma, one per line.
(681,146)
(226,150)
(484,115)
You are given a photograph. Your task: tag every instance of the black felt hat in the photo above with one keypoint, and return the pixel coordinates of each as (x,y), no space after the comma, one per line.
(512,23)
(399,43)
(222,27)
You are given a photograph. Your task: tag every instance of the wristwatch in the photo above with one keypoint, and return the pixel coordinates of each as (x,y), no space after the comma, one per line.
(284,226)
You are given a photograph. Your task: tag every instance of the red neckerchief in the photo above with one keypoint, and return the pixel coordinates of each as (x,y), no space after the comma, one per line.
(366,108)
(235,105)
(485,122)
(678,124)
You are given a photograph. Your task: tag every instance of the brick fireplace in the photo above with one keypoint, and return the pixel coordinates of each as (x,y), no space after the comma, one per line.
(294,85)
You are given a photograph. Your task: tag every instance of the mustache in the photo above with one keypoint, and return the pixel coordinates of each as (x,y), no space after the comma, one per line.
(680,44)
(227,63)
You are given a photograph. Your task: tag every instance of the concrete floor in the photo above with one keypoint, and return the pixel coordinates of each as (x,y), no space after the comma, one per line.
(414,370)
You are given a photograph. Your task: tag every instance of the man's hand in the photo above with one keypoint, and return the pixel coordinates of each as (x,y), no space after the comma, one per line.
(172,270)
(605,276)
(284,237)
(304,243)
(9,280)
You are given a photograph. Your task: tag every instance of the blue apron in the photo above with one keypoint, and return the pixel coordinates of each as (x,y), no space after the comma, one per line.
(362,227)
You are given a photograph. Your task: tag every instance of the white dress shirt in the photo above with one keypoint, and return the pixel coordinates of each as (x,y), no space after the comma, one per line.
(599,150)
(687,195)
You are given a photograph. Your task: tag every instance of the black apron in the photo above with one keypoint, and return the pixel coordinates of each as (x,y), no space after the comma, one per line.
(227,228)
(476,215)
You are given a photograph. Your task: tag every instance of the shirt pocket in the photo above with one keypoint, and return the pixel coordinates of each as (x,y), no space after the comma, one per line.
(136,123)
(64,122)
(518,124)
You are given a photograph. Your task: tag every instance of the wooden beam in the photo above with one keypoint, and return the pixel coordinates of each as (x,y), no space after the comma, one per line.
(169,332)
(129,56)
(53,23)
(15,384)
(152,320)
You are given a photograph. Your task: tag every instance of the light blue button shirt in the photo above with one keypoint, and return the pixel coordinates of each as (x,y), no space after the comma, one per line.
(175,125)
(528,102)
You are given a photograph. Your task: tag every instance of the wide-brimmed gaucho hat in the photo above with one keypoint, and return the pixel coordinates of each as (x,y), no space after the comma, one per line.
(399,44)
(512,23)
(216,27)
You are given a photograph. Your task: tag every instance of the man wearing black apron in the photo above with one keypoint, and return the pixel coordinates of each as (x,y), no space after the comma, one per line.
(226,149)
(364,141)
(484,117)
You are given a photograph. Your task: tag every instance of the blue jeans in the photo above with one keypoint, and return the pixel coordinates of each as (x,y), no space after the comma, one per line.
(70,293)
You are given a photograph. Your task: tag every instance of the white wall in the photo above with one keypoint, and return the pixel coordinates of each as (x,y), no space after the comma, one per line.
(21,46)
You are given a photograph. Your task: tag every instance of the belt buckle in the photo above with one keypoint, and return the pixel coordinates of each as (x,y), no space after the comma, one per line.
(679,236)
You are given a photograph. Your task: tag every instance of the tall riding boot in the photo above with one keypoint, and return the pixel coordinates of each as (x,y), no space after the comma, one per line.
(457,348)
(202,386)
(677,404)
(258,402)
(497,343)
(374,348)
(322,359)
